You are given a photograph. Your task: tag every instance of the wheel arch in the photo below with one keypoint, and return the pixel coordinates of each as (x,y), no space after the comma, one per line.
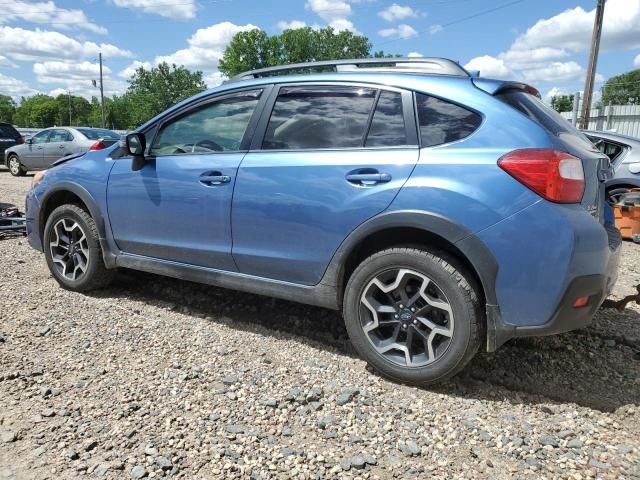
(72,193)
(414,227)
(625,182)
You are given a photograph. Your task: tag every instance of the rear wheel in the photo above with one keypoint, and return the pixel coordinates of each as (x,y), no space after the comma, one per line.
(72,250)
(413,315)
(614,195)
(15,167)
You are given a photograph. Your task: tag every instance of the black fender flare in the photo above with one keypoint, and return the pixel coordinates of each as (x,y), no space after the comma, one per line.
(82,194)
(469,245)
(622,182)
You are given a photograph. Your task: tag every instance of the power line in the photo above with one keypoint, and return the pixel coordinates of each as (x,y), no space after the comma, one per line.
(462,19)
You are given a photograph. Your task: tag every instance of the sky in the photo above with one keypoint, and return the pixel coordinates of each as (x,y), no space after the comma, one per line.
(52,46)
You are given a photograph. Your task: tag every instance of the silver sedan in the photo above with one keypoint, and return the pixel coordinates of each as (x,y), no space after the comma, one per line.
(50,144)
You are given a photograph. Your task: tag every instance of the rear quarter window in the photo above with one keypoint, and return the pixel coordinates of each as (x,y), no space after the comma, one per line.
(7,131)
(444,122)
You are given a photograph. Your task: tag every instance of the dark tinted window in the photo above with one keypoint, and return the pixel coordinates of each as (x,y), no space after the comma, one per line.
(98,133)
(444,122)
(7,131)
(387,126)
(319,117)
(540,113)
(218,126)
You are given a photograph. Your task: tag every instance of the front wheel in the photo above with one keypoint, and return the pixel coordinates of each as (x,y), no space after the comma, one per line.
(72,249)
(15,167)
(413,315)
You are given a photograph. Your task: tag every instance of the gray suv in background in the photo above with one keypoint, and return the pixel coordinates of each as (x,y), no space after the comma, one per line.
(50,144)
(624,153)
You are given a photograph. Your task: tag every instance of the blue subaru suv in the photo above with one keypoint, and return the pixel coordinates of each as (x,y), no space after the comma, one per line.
(438,210)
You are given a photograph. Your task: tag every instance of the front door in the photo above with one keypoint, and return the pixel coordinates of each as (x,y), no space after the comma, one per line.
(32,154)
(178,206)
(332,157)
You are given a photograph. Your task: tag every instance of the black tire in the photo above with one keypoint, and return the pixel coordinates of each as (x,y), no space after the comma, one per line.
(15,167)
(460,295)
(614,194)
(96,274)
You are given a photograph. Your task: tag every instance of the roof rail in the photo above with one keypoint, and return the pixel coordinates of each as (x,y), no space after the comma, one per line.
(437,66)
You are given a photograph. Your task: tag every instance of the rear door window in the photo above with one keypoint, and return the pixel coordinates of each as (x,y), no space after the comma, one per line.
(443,122)
(387,126)
(319,117)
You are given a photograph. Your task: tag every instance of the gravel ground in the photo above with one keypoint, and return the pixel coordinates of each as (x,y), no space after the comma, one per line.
(158,377)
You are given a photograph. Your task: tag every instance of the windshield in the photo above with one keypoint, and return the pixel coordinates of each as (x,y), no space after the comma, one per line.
(97,133)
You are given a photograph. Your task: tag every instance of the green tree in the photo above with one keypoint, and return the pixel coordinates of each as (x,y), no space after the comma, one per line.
(562,103)
(152,91)
(38,111)
(7,108)
(622,89)
(255,49)
(80,110)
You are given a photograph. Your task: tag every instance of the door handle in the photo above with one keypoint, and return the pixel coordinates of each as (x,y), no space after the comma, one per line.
(61,146)
(212,180)
(368,179)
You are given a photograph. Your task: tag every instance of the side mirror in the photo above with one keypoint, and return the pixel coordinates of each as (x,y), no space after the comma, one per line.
(136,145)
(29,141)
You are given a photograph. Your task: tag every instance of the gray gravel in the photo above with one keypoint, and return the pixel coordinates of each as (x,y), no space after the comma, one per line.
(156,377)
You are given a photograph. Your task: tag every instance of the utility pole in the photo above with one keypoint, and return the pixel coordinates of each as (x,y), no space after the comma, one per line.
(101,90)
(69,98)
(593,61)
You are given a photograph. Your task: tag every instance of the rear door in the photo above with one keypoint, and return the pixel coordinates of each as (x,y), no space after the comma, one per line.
(59,142)
(325,158)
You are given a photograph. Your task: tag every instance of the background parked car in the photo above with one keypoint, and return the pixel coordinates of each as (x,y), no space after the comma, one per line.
(624,153)
(9,137)
(50,144)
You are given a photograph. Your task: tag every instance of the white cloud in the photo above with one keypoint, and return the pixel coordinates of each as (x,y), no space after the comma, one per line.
(77,77)
(636,61)
(572,28)
(206,47)
(414,54)
(489,66)
(284,25)
(401,31)
(132,67)
(435,28)
(14,87)
(335,12)
(539,54)
(6,63)
(57,91)
(48,13)
(183,10)
(214,79)
(32,45)
(397,12)
(554,72)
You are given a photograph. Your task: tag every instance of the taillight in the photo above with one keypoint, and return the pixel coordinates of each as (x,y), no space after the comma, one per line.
(20,140)
(99,145)
(555,176)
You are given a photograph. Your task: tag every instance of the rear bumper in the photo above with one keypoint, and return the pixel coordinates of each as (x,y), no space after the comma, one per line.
(539,285)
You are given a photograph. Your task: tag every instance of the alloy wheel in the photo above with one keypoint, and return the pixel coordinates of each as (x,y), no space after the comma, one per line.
(406,317)
(14,165)
(69,249)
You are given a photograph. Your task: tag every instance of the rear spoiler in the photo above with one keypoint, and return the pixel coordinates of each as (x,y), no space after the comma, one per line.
(495,87)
